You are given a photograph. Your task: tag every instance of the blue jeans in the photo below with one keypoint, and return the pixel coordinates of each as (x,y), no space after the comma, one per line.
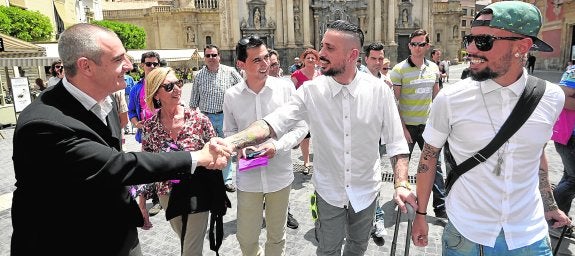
(438,189)
(217,121)
(455,244)
(335,223)
(565,190)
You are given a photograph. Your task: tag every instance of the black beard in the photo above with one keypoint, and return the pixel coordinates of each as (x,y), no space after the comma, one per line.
(483,75)
(332,72)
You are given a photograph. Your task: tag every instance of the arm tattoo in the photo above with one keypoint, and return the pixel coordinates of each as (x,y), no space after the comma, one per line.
(546,192)
(399,163)
(429,157)
(256,133)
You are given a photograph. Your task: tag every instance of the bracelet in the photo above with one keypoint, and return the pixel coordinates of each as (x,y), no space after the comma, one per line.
(403,184)
(421,213)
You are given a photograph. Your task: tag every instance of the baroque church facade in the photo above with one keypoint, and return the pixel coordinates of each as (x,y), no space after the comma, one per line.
(289,26)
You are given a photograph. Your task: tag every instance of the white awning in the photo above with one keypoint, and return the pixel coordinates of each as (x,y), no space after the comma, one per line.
(27,62)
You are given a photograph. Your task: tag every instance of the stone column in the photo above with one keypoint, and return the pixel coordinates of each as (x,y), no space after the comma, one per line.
(280,21)
(377,27)
(392,6)
(290,25)
(304,21)
(316,31)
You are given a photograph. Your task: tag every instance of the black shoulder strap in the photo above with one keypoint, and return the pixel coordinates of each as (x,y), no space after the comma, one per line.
(527,103)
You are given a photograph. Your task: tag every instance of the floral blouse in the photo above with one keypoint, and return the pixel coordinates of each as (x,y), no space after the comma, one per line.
(196,131)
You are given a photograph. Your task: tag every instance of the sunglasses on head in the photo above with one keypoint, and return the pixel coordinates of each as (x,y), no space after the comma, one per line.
(420,44)
(246,40)
(152,64)
(211,55)
(485,42)
(170,86)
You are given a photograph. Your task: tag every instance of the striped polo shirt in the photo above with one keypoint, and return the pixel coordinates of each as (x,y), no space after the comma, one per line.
(416,89)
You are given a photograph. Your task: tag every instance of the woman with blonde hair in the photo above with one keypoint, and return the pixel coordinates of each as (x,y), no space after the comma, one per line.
(310,59)
(174,127)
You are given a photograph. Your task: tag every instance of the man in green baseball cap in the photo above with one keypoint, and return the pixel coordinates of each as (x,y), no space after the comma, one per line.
(499,206)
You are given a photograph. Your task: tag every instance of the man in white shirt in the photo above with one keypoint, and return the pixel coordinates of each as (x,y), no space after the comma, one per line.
(244,103)
(495,208)
(349,111)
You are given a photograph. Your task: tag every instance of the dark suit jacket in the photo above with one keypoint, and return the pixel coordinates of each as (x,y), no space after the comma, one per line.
(71,196)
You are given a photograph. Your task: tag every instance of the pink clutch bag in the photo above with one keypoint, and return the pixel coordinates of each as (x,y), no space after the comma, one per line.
(248,164)
(563,128)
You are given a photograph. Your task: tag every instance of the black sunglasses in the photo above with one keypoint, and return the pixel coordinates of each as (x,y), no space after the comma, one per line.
(385,68)
(420,44)
(170,86)
(150,64)
(211,55)
(58,67)
(485,42)
(246,40)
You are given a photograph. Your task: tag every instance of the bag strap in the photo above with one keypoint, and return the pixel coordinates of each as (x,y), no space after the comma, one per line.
(532,94)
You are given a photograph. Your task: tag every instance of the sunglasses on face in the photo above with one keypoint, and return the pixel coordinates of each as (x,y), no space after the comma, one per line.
(420,44)
(385,68)
(246,40)
(211,55)
(485,42)
(152,64)
(170,86)
(58,67)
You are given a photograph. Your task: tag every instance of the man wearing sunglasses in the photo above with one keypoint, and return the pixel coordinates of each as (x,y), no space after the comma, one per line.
(208,90)
(57,72)
(415,84)
(500,206)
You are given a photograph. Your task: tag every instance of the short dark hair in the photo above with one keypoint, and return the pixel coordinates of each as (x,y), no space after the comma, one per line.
(150,54)
(246,43)
(347,27)
(53,69)
(211,46)
(273,52)
(434,51)
(372,47)
(419,32)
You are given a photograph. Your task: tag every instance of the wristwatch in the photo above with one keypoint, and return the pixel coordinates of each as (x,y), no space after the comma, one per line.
(404,184)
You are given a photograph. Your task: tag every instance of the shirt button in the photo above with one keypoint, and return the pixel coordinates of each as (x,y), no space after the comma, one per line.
(346,134)
(347,152)
(346,117)
(347,170)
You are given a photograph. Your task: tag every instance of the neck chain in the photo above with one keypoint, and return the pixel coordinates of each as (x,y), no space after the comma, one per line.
(497,170)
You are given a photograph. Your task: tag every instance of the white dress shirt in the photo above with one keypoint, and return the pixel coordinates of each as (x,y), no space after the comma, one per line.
(242,107)
(346,123)
(481,203)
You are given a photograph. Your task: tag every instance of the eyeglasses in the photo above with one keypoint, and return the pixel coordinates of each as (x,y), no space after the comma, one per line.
(170,86)
(152,64)
(58,67)
(246,40)
(211,55)
(420,44)
(313,207)
(485,42)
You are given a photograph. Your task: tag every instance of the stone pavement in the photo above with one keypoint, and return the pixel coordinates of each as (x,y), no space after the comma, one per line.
(161,240)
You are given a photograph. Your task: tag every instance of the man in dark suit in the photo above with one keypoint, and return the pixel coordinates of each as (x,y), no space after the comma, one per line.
(72,132)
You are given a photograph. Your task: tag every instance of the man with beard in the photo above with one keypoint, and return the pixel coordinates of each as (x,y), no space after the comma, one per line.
(340,105)
(495,208)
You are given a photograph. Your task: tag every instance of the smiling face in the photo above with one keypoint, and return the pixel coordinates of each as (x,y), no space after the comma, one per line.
(113,64)
(500,60)
(171,98)
(256,64)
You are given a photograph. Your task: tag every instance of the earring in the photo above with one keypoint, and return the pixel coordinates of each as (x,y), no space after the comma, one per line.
(517,55)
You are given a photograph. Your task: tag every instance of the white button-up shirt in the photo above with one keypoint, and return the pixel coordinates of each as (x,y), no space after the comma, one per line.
(481,203)
(242,107)
(346,123)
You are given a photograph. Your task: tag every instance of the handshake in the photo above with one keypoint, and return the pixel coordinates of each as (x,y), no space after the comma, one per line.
(215,154)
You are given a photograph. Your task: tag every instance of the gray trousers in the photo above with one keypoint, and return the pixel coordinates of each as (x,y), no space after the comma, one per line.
(335,223)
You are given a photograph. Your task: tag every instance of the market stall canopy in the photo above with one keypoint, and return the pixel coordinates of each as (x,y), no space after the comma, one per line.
(23,54)
(168,54)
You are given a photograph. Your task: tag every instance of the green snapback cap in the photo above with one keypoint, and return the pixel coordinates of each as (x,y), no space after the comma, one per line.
(517,17)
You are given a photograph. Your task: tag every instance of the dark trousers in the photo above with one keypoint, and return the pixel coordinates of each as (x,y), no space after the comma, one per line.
(416,132)
(565,190)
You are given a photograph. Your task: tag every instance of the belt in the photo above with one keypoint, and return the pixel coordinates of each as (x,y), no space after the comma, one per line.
(217,113)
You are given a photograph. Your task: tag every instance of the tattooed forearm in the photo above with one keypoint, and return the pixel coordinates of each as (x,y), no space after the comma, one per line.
(429,156)
(256,133)
(549,203)
(399,163)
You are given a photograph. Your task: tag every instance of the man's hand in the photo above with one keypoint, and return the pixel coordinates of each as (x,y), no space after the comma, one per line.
(214,155)
(407,135)
(269,150)
(559,217)
(403,195)
(419,231)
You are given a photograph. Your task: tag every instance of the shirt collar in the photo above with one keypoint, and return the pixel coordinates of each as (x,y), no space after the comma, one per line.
(244,85)
(517,87)
(336,87)
(87,101)
(425,61)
